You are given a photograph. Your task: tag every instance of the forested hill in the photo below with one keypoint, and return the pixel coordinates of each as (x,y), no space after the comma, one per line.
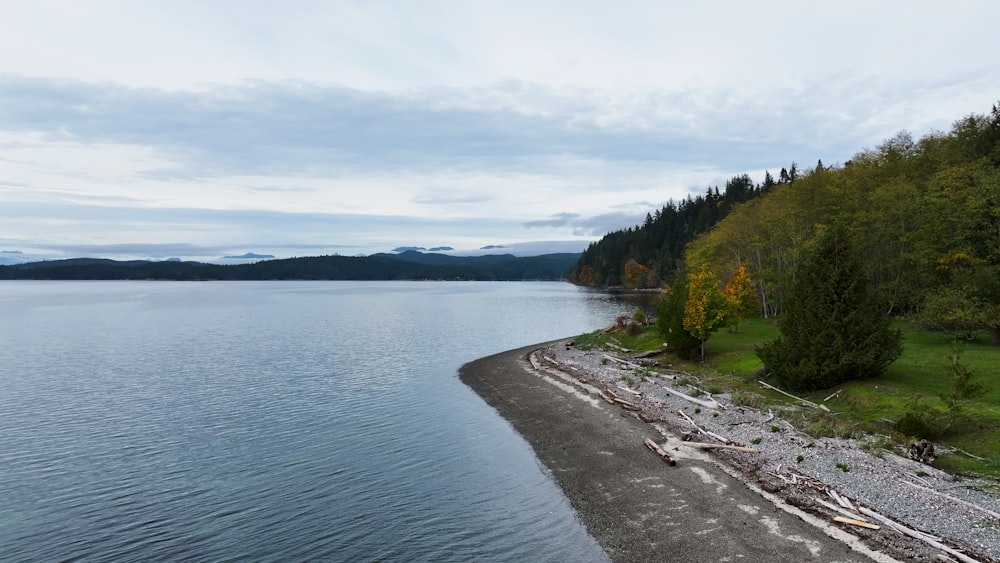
(923,213)
(406,266)
(648,255)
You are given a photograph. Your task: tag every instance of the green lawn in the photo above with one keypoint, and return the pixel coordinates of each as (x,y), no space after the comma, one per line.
(915,382)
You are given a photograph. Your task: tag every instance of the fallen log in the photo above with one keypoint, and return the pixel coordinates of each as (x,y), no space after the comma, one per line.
(839,509)
(854,522)
(806,401)
(651,353)
(710,404)
(707,446)
(626,405)
(933,542)
(622,362)
(656,449)
(702,430)
(842,501)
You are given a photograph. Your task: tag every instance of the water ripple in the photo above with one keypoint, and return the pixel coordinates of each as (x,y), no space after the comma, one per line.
(273,422)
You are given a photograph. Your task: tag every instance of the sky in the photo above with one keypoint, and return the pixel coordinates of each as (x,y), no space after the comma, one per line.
(196,129)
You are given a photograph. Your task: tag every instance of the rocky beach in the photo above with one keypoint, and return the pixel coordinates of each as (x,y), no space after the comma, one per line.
(730,482)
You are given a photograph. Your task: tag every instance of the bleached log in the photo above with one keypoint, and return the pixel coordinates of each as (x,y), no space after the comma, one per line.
(533,358)
(702,430)
(856,522)
(623,362)
(806,401)
(839,509)
(709,404)
(706,446)
(929,540)
(832,396)
(842,501)
(656,449)
(632,391)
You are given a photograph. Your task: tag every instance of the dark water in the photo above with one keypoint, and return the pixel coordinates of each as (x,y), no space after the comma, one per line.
(274,421)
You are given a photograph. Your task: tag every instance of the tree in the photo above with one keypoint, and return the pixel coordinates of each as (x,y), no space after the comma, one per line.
(833,330)
(635,275)
(739,292)
(706,307)
(670,319)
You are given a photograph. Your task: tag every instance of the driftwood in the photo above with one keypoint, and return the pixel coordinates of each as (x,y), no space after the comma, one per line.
(656,449)
(651,353)
(926,538)
(842,501)
(837,392)
(623,362)
(632,391)
(706,446)
(856,522)
(703,431)
(806,401)
(625,404)
(840,510)
(709,404)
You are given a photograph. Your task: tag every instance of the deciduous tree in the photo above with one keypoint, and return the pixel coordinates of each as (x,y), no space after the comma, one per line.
(740,295)
(706,307)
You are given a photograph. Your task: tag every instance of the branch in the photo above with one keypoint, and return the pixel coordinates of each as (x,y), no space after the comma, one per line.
(810,403)
(656,449)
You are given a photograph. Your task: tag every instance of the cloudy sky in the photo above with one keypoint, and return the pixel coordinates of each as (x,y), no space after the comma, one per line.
(198,129)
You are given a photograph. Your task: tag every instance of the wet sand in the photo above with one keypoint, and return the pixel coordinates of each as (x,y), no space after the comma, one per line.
(638,507)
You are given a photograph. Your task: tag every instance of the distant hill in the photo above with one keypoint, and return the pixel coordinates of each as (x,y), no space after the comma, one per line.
(409,265)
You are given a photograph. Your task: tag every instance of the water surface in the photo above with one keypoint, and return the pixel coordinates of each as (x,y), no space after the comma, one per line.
(274,421)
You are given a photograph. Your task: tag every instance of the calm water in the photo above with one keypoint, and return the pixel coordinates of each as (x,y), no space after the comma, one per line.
(274,421)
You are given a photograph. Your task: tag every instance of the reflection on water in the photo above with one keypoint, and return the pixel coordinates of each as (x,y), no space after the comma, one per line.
(275,421)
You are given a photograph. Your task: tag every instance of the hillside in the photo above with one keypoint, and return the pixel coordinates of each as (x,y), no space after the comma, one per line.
(405,266)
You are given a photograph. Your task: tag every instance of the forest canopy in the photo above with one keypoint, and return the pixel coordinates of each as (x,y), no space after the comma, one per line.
(923,214)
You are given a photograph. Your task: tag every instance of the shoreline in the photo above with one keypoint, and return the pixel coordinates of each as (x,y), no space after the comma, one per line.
(559,399)
(634,504)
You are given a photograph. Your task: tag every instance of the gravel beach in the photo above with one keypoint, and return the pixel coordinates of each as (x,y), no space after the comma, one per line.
(777,503)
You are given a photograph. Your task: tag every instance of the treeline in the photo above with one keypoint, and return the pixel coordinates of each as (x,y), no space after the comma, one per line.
(648,255)
(405,266)
(923,216)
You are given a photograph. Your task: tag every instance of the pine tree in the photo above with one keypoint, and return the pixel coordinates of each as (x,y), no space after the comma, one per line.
(832,330)
(670,319)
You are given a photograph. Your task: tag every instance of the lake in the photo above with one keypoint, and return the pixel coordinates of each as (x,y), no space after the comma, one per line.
(284,421)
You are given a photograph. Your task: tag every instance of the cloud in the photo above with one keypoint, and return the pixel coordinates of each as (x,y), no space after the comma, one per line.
(557,220)
(591,226)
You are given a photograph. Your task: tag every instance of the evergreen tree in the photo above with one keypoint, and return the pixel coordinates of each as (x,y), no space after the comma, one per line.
(670,319)
(833,330)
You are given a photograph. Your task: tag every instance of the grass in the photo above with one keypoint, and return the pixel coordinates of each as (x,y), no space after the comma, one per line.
(919,376)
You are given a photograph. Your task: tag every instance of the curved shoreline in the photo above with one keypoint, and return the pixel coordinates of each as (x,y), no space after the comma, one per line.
(635,505)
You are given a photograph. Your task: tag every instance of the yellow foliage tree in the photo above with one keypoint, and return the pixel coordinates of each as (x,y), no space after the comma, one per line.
(740,294)
(706,307)
(635,274)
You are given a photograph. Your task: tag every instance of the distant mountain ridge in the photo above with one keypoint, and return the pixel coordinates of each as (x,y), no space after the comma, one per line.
(408,265)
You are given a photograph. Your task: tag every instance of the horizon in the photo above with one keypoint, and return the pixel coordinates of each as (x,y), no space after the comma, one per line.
(198,131)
